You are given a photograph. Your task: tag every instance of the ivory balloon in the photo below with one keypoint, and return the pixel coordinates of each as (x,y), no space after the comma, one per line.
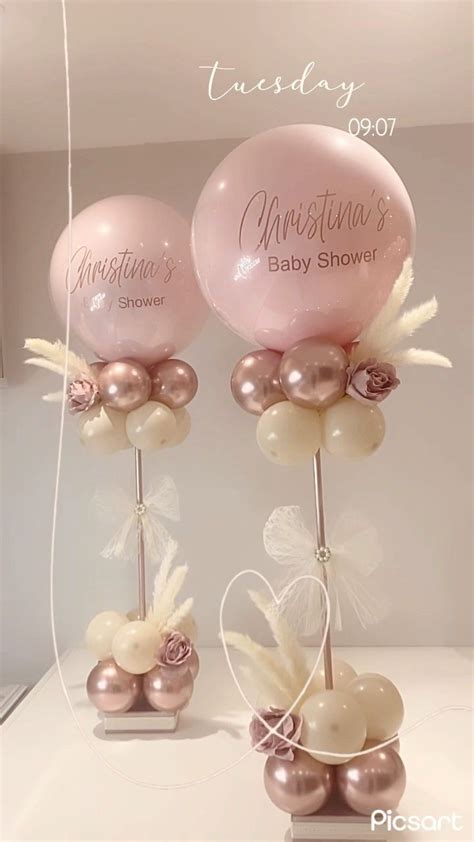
(101,631)
(168,688)
(375,781)
(351,429)
(134,646)
(183,427)
(300,786)
(151,426)
(342,674)
(381,702)
(102,430)
(333,721)
(124,385)
(174,383)
(288,434)
(112,689)
(255,382)
(314,373)
(375,743)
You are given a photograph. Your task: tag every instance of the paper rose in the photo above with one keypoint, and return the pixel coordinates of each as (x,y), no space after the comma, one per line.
(175,650)
(370,381)
(82,394)
(275,744)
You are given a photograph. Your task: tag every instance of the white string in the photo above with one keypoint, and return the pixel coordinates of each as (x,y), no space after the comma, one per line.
(85,736)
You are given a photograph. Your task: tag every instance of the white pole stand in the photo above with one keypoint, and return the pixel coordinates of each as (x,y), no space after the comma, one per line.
(142,719)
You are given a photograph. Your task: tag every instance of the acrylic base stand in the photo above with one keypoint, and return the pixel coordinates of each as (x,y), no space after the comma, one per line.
(142,718)
(335,823)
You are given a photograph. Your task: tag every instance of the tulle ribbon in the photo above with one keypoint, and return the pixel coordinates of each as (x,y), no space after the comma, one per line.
(160,501)
(353,553)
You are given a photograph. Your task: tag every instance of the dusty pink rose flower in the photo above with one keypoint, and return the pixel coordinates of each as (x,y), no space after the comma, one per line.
(175,650)
(82,394)
(276,744)
(370,381)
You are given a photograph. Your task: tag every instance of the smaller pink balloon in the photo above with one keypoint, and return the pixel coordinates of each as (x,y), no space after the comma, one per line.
(111,689)
(124,385)
(300,786)
(173,382)
(314,373)
(131,284)
(255,381)
(168,688)
(375,781)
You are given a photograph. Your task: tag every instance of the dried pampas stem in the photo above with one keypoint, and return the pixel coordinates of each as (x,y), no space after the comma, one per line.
(267,665)
(291,652)
(388,328)
(55,357)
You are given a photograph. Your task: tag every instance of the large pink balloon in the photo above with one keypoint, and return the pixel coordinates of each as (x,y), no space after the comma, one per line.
(132,286)
(301,231)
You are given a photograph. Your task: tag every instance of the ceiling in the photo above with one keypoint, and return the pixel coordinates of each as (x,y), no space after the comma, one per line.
(135,74)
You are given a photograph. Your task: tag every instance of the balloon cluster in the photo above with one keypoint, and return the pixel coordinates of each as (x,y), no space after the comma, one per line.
(307,398)
(362,712)
(150,655)
(125,404)
(136,661)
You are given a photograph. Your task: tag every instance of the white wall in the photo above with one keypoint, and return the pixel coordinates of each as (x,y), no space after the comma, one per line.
(416,488)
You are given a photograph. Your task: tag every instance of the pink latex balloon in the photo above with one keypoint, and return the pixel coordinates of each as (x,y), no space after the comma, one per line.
(301,231)
(132,286)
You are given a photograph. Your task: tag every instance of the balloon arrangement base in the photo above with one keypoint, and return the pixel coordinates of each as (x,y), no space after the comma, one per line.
(143,719)
(335,822)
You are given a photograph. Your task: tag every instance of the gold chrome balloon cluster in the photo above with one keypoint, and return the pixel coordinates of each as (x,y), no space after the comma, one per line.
(122,404)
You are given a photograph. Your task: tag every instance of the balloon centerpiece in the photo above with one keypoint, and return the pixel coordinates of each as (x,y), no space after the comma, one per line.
(123,269)
(302,241)
(339,743)
(150,659)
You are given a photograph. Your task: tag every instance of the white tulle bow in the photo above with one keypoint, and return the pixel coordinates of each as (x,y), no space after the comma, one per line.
(353,553)
(161,500)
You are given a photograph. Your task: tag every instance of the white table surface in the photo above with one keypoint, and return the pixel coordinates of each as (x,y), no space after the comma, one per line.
(56,788)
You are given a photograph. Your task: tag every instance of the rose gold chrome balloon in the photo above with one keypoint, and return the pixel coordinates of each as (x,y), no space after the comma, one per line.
(375,781)
(124,385)
(193,664)
(300,786)
(255,381)
(111,689)
(174,383)
(168,688)
(313,373)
